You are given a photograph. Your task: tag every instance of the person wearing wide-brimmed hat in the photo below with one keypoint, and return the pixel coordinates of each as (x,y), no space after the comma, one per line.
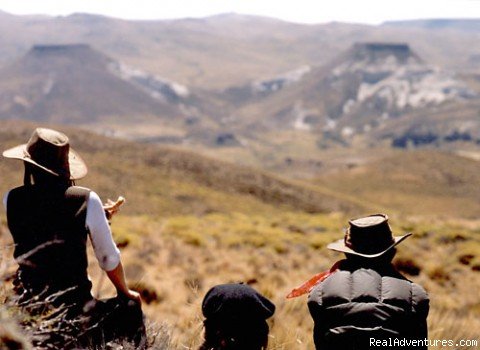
(365,299)
(50,220)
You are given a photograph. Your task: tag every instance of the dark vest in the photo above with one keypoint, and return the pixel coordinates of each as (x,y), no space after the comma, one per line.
(50,235)
(357,303)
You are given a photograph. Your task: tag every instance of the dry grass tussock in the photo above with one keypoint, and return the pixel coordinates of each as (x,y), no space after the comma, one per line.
(20,330)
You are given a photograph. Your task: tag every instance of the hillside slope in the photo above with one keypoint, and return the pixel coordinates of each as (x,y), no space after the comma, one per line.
(160,181)
(74,84)
(361,89)
(415,183)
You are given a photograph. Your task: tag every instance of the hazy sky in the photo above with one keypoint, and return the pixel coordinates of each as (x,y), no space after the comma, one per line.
(304,11)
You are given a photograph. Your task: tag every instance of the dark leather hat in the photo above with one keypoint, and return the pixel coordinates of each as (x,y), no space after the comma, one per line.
(368,236)
(50,150)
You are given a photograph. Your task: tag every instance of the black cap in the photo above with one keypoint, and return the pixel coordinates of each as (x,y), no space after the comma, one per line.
(236,301)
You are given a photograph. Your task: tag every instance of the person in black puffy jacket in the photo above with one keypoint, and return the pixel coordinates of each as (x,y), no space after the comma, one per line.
(366,303)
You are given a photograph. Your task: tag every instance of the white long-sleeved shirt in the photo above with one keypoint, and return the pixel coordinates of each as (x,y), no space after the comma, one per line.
(105,249)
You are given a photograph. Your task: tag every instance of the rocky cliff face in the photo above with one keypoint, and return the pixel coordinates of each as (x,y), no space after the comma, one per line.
(388,82)
(364,90)
(157,87)
(390,79)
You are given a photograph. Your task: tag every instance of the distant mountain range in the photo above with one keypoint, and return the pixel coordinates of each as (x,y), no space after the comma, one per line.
(471,25)
(247,48)
(250,89)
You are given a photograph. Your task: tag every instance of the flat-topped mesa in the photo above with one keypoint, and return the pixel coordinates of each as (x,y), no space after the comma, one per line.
(60,48)
(70,52)
(374,52)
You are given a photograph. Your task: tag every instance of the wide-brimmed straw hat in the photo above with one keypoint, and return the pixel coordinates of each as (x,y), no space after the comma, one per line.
(368,236)
(50,150)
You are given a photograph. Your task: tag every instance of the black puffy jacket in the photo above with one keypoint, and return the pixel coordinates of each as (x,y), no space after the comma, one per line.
(359,304)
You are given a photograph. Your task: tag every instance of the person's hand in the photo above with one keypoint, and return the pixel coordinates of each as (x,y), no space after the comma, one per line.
(112,207)
(132,295)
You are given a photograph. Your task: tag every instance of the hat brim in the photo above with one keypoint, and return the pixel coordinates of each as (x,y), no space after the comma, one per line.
(340,246)
(78,168)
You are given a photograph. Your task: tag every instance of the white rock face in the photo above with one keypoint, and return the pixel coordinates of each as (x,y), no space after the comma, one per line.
(330,124)
(414,85)
(157,87)
(48,86)
(347,107)
(21,100)
(347,131)
(386,64)
(300,114)
(281,81)
(392,74)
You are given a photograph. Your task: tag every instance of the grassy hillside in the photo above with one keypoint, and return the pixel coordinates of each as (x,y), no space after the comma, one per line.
(161,180)
(173,262)
(275,254)
(191,222)
(426,182)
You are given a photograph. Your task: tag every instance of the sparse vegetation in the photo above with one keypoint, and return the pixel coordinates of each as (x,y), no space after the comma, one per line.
(173,272)
(180,235)
(426,182)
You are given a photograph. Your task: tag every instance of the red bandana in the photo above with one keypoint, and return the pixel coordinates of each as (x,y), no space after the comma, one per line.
(312,282)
